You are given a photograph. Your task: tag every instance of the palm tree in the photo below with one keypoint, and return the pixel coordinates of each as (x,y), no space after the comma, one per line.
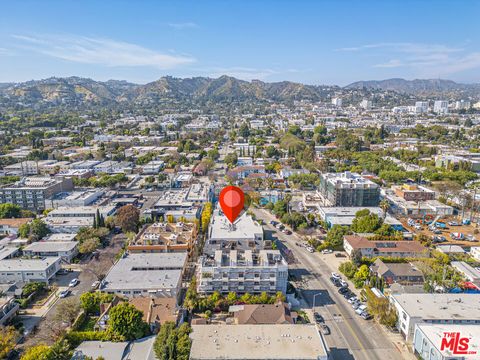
(385,206)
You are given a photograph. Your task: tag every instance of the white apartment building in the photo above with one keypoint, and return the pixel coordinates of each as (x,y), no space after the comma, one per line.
(366,104)
(245,234)
(435,309)
(337,102)
(28,270)
(243,271)
(440,107)
(421,107)
(66,250)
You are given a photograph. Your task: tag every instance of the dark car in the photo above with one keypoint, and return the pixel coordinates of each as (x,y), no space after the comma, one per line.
(318,318)
(288,232)
(348,295)
(343,290)
(339,254)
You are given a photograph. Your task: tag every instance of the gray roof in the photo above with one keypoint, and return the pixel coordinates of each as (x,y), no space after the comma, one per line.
(27,264)
(279,341)
(440,306)
(51,246)
(147,271)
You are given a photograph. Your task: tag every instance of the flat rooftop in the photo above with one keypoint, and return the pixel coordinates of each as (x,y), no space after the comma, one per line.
(51,246)
(440,306)
(245,227)
(27,264)
(146,271)
(435,333)
(257,342)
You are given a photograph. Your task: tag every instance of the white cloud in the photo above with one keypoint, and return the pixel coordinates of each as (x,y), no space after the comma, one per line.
(425,59)
(183,25)
(103,51)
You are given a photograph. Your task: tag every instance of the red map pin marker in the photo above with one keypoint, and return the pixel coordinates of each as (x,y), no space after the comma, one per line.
(232,199)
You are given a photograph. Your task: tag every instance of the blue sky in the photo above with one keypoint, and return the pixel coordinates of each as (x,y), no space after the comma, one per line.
(314,42)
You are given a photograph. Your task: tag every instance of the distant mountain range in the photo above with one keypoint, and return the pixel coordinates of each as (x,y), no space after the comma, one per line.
(418,86)
(85,92)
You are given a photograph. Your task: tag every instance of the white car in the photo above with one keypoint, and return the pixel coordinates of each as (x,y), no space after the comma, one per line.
(95,284)
(343,283)
(327,251)
(310,249)
(336,276)
(73,282)
(64,293)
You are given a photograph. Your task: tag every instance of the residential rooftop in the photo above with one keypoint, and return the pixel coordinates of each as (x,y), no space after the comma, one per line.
(440,306)
(146,271)
(279,341)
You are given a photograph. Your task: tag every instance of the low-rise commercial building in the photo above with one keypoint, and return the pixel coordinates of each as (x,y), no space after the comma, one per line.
(243,271)
(414,192)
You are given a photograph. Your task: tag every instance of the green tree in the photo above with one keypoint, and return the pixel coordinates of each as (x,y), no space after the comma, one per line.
(126,321)
(366,222)
(231,159)
(38,352)
(35,230)
(8,211)
(348,269)
(89,245)
(173,343)
(8,337)
(335,236)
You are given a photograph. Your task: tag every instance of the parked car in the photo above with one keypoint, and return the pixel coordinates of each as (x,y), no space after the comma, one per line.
(348,295)
(343,283)
(64,293)
(437,231)
(287,232)
(366,316)
(336,276)
(327,251)
(73,282)
(274,223)
(353,299)
(453,223)
(337,283)
(343,290)
(318,318)
(95,284)
(310,249)
(339,254)
(325,330)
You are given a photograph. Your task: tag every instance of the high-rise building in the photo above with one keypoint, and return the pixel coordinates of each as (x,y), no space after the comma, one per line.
(337,102)
(366,104)
(462,105)
(440,107)
(421,107)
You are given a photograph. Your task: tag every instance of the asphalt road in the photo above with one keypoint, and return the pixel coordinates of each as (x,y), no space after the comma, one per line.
(351,337)
(47,326)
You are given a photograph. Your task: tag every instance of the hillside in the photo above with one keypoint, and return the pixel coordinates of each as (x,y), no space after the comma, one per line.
(424,87)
